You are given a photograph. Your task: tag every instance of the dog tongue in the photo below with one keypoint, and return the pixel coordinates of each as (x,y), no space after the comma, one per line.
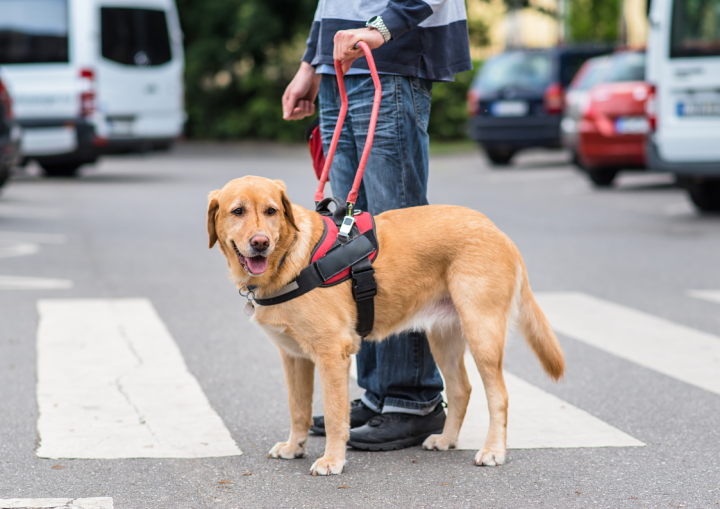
(257,264)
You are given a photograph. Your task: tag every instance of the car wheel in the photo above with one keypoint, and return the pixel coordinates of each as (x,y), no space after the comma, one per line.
(499,156)
(705,195)
(59,170)
(4,175)
(602,178)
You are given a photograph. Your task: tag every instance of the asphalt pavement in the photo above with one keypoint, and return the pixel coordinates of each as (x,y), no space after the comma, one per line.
(124,248)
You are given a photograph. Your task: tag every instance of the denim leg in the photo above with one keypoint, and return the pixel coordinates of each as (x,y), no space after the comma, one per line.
(398,374)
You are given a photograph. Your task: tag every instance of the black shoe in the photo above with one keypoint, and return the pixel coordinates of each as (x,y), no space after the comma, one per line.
(359,415)
(387,432)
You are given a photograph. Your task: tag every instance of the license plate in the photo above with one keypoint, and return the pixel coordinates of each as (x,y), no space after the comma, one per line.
(121,127)
(698,109)
(509,108)
(632,125)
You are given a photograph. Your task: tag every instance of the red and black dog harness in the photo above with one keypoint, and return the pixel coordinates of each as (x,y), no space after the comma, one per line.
(334,260)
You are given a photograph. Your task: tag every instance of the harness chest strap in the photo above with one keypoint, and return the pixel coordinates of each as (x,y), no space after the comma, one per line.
(355,255)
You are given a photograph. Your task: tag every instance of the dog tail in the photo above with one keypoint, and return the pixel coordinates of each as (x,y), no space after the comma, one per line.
(536,329)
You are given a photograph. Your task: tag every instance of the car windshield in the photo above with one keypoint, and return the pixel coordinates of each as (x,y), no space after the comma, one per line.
(33,31)
(627,67)
(595,72)
(517,70)
(695,28)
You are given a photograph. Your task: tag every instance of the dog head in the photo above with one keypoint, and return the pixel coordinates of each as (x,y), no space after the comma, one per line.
(252,220)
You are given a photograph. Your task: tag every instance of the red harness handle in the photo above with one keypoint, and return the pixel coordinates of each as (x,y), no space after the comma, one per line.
(352,197)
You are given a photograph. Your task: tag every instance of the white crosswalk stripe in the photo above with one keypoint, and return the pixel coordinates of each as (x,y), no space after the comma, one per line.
(112,383)
(536,419)
(709,295)
(669,348)
(57,503)
(33,283)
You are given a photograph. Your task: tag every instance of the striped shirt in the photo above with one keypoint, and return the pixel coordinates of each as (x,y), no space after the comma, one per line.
(429,37)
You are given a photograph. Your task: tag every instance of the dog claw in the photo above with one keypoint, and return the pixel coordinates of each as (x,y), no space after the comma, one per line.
(286,451)
(327,467)
(486,458)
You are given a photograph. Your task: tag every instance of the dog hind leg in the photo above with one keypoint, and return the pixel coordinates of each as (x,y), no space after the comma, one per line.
(448,348)
(485,334)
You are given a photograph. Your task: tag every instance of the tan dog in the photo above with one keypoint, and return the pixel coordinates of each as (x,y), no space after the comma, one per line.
(446,270)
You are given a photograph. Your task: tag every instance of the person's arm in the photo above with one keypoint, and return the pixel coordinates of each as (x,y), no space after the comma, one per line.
(399,16)
(298,101)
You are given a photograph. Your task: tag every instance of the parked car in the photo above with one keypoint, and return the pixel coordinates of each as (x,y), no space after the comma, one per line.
(517,98)
(613,127)
(93,77)
(9,133)
(591,73)
(684,108)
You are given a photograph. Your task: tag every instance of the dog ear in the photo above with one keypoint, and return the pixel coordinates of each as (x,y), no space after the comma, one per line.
(213,206)
(288,210)
(286,204)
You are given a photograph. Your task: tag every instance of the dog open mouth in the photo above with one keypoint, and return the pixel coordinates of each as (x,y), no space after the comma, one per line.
(255,265)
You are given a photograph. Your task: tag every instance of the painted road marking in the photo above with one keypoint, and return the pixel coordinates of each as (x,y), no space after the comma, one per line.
(709,295)
(33,283)
(13,248)
(669,348)
(536,419)
(57,503)
(21,212)
(40,238)
(112,383)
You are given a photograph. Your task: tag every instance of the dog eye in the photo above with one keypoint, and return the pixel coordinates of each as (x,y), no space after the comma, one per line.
(238,211)
(271,211)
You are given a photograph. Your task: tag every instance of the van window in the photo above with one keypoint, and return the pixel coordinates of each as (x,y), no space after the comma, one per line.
(695,28)
(517,70)
(137,37)
(33,31)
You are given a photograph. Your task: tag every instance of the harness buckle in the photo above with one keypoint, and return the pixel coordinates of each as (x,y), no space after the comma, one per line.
(364,285)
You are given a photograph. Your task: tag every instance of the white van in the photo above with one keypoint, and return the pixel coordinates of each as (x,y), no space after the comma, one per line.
(683,65)
(93,77)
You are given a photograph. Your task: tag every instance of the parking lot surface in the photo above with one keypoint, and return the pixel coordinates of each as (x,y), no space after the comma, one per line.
(108,289)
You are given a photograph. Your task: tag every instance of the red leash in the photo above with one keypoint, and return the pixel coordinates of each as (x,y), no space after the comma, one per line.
(352,197)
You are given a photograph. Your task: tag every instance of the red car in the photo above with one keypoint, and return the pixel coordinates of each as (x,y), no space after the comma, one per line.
(613,127)
(9,134)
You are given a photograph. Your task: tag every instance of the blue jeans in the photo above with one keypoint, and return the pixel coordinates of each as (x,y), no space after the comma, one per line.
(398,374)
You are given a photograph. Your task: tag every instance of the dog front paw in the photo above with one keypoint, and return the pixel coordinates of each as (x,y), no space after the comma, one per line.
(439,443)
(287,451)
(327,466)
(489,458)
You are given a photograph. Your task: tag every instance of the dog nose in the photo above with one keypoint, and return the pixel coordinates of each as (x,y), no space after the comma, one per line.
(259,242)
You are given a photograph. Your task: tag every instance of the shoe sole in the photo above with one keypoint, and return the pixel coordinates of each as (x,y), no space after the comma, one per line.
(393,446)
(317,431)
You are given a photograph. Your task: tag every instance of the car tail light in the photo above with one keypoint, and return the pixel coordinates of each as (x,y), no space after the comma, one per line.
(87,103)
(553,99)
(87,95)
(473,102)
(651,108)
(6,100)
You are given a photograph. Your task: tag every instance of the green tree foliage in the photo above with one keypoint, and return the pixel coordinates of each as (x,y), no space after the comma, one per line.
(240,56)
(594,20)
(448,114)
